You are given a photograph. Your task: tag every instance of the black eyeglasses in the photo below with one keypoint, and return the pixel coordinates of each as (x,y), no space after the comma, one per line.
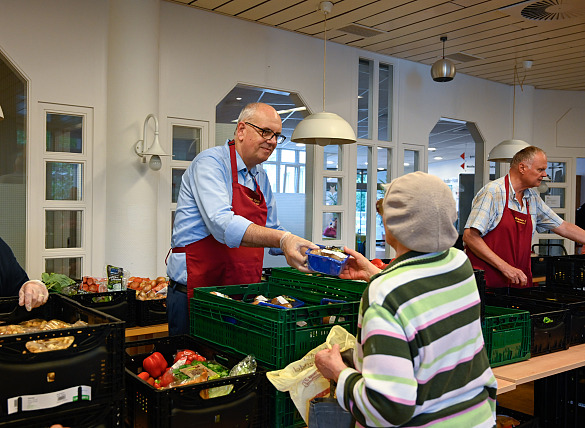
(267,134)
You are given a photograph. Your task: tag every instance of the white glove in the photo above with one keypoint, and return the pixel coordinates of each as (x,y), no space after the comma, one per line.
(294,248)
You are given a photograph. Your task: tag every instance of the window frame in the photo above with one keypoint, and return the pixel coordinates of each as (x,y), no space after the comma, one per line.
(37,251)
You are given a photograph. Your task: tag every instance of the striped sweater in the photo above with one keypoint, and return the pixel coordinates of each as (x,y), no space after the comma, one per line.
(420,358)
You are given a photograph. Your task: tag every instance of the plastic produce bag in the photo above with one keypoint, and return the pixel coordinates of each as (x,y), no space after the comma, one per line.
(246,366)
(302,379)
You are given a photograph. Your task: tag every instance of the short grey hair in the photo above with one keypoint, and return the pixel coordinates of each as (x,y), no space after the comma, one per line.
(248,112)
(526,155)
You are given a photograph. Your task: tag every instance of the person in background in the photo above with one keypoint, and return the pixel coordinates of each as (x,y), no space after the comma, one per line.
(15,282)
(580,221)
(226,215)
(504,215)
(419,358)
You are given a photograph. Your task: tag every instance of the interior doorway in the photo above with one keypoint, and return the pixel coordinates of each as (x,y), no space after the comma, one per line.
(456,155)
(580,198)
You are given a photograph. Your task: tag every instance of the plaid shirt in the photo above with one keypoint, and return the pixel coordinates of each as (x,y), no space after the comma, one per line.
(488,207)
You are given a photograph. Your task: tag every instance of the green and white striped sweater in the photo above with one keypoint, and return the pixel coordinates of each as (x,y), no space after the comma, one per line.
(420,358)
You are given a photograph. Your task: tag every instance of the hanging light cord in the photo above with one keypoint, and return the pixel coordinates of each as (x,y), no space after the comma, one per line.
(514,96)
(324,58)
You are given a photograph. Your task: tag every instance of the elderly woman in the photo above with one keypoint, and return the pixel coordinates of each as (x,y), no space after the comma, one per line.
(419,357)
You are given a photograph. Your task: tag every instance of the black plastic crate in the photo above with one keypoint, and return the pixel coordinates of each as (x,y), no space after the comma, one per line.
(559,297)
(566,271)
(94,414)
(151,312)
(245,406)
(550,327)
(94,361)
(559,399)
(119,304)
(526,421)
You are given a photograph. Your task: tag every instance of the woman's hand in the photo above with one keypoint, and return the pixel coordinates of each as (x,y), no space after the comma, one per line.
(358,267)
(330,363)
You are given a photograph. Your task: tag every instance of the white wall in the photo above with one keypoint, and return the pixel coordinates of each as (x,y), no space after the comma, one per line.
(61,46)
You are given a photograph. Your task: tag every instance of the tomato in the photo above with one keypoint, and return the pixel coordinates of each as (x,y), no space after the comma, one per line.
(143,375)
(378,263)
(167,378)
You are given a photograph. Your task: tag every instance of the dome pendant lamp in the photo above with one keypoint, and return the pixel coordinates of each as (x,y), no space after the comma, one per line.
(505,151)
(443,70)
(324,128)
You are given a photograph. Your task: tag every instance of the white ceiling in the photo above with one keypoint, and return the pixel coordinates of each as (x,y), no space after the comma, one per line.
(485,38)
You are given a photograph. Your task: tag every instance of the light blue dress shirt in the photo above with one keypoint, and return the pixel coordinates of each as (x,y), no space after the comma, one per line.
(487,208)
(204,205)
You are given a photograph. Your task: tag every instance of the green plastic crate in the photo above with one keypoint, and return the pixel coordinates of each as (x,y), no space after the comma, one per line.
(506,333)
(318,283)
(275,336)
(284,413)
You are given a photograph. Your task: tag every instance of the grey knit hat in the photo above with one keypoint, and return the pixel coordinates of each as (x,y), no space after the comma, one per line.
(419,210)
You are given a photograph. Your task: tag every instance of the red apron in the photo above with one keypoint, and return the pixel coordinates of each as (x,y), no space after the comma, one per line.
(211,263)
(510,240)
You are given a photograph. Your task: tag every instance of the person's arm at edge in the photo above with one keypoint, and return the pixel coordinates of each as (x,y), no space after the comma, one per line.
(473,240)
(571,231)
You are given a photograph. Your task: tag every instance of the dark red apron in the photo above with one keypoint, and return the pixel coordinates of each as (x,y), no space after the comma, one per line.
(510,240)
(211,263)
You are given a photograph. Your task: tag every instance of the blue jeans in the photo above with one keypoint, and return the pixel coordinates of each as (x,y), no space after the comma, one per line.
(327,413)
(177,312)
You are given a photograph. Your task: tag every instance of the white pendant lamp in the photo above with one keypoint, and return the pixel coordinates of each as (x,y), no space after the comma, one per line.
(505,151)
(443,70)
(324,128)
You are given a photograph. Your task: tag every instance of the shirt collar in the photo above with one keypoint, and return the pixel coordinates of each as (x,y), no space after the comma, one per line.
(242,166)
(525,193)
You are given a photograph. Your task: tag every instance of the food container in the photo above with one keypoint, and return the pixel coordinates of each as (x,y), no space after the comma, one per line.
(184,406)
(325,264)
(87,371)
(276,337)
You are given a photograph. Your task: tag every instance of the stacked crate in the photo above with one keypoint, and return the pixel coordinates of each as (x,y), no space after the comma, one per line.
(81,385)
(184,406)
(276,336)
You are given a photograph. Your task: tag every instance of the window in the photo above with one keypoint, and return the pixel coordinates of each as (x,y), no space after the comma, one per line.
(67,205)
(375,101)
(555,195)
(13,160)
(188,139)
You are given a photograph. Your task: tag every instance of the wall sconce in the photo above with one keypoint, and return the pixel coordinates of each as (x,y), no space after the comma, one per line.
(155,151)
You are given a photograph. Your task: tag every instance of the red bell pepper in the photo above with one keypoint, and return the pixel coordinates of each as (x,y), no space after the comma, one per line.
(155,364)
(189,356)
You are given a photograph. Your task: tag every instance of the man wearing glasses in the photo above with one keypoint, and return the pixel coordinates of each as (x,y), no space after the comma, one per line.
(226,215)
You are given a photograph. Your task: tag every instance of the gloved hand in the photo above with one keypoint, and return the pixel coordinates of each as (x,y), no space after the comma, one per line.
(33,294)
(294,248)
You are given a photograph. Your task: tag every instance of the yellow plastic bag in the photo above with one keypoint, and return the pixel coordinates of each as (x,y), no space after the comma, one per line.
(302,379)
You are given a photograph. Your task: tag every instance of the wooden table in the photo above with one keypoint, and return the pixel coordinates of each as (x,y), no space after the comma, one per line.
(542,366)
(151,330)
(505,386)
